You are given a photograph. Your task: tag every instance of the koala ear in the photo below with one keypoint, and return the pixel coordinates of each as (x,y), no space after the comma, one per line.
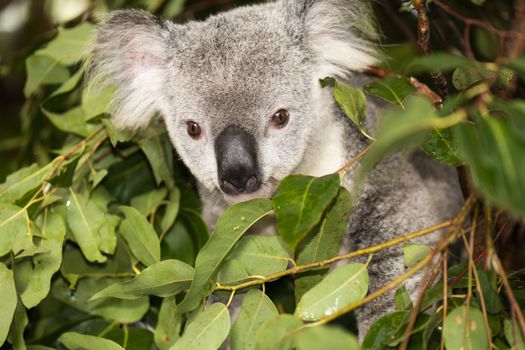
(340,33)
(129,52)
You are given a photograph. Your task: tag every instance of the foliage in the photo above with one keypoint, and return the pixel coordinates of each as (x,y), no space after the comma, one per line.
(102,244)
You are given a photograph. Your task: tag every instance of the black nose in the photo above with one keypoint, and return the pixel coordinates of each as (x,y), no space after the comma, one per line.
(237,166)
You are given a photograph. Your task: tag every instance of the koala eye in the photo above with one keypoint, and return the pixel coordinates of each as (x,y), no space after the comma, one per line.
(280,118)
(193,129)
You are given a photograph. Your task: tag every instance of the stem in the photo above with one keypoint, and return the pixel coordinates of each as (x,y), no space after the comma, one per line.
(313,265)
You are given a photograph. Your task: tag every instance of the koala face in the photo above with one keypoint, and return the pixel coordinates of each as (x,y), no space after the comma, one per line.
(238,105)
(239,92)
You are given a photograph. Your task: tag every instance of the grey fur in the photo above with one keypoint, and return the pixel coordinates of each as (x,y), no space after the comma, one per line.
(238,68)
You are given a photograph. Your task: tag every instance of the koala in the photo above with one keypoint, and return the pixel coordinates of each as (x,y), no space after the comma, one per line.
(243,106)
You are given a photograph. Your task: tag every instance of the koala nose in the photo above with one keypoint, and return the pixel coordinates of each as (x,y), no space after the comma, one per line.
(237,167)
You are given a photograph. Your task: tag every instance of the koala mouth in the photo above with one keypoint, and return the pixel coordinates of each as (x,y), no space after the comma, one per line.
(265,190)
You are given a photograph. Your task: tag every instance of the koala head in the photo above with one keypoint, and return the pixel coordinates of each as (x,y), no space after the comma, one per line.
(239,92)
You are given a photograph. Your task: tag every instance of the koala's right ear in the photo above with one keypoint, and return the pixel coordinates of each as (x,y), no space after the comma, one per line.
(129,52)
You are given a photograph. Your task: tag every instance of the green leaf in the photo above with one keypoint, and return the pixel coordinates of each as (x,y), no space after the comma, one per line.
(71,121)
(18,325)
(259,256)
(277,334)
(256,309)
(402,299)
(300,202)
(465,77)
(159,151)
(230,227)
(400,129)
(352,102)
(339,288)
(69,45)
(77,341)
(85,219)
(117,135)
(495,156)
(207,331)
(23,181)
(168,324)
(15,228)
(464,329)
(147,203)
(443,147)
(68,85)
(383,330)
(120,310)
(439,61)
(43,70)
(171,211)
(391,89)
(489,290)
(140,235)
(165,278)
(46,264)
(413,253)
(9,300)
(326,337)
(324,242)
(96,101)
(512,333)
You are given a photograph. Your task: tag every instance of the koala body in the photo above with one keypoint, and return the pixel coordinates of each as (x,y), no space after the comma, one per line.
(241,100)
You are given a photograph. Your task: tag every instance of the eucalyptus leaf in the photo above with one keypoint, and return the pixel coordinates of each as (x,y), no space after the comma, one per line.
(513,335)
(171,211)
(207,331)
(68,85)
(352,102)
(325,337)
(442,146)
(495,156)
(400,128)
(85,218)
(23,181)
(18,325)
(16,229)
(46,264)
(71,121)
(43,70)
(77,341)
(124,311)
(96,101)
(140,235)
(260,255)
(391,89)
(159,151)
(439,61)
(464,329)
(383,330)
(147,203)
(165,278)
(169,324)
(230,227)
(9,300)
(413,253)
(69,46)
(277,333)
(324,242)
(256,309)
(300,202)
(339,288)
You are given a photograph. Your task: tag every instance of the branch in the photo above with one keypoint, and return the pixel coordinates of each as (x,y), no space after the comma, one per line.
(314,265)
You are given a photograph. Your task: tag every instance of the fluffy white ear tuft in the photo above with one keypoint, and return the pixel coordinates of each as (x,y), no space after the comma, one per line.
(129,53)
(342,34)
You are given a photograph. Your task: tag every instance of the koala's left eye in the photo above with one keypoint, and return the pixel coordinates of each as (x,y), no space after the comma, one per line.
(193,129)
(280,118)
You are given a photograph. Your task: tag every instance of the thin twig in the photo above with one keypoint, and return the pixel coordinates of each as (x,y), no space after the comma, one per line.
(313,265)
